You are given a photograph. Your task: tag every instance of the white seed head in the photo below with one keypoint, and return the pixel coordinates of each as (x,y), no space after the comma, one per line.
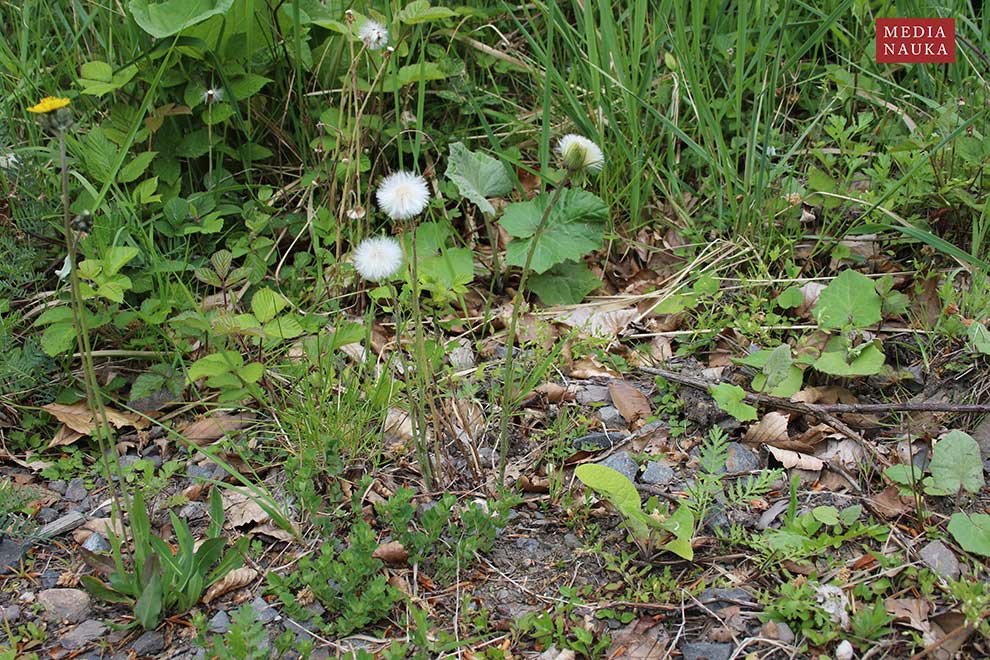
(403,195)
(213,95)
(374,35)
(377,259)
(579,153)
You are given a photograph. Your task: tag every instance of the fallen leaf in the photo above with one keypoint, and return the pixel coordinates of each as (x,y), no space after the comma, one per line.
(809,293)
(273,531)
(241,508)
(846,453)
(599,323)
(392,552)
(643,639)
(235,579)
(630,402)
(64,436)
(399,424)
(889,503)
(555,393)
(912,611)
(791,459)
(771,430)
(205,430)
(587,368)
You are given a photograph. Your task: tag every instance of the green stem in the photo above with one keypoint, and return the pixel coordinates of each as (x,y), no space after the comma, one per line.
(508,379)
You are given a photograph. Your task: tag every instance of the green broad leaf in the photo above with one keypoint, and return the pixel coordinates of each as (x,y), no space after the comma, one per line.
(246,86)
(266,304)
(102,591)
(956,465)
(420,11)
(786,388)
(117,257)
(778,366)
(574,227)
(163,19)
(837,361)
(790,297)
(98,81)
(217,113)
(827,515)
(146,384)
(979,337)
(477,176)
(58,338)
(214,364)
(286,326)
(850,514)
(97,71)
(971,532)
(903,475)
(60,314)
(447,273)
(113,288)
(681,525)
(893,302)
(731,399)
(619,491)
(850,300)
(148,608)
(251,373)
(564,284)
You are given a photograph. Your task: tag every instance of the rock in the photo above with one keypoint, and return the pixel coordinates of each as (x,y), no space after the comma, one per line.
(220,623)
(12,552)
(593,394)
(72,605)
(76,490)
(193,511)
(612,418)
(86,632)
(572,541)
(10,613)
(150,643)
(844,651)
(777,630)
(706,651)
(717,599)
(46,514)
(27,597)
(264,611)
(741,459)
(622,462)
(657,474)
(528,546)
(127,460)
(199,471)
(597,441)
(49,578)
(96,543)
(58,486)
(941,560)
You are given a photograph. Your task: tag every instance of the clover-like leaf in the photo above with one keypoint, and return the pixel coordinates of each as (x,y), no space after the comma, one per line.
(574,227)
(477,176)
(850,300)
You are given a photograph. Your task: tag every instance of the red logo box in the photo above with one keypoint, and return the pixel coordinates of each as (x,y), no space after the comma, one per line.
(916,40)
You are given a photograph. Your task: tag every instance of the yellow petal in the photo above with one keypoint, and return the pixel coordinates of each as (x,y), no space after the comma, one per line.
(48,104)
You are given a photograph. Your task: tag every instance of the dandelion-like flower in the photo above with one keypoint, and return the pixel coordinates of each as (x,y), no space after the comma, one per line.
(403,195)
(48,104)
(377,258)
(374,35)
(579,153)
(213,95)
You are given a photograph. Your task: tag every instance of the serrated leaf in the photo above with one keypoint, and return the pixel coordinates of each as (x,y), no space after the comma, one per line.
(420,11)
(266,304)
(284,327)
(956,465)
(136,167)
(574,227)
(971,532)
(477,176)
(731,399)
(850,300)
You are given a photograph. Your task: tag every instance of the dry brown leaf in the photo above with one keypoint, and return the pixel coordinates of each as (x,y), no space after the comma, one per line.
(399,424)
(911,611)
(78,421)
(586,369)
(555,393)
(533,483)
(845,452)
(630,402)
(205,430)
(241,508)
(273,531)
(392,552)
(793,459)
(814,435)
(889,503)
(643,639)
(237,578)
(598,322)
(826,395)
(661,349)
(771,430)
(809,293)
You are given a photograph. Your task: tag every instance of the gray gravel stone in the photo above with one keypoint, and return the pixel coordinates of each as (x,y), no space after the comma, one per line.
(83,634)
(264,611)
(199,471)
(220,623)
(622,462)
(716,599)
(593,394)
(46,514)
(10,613)
(96,543)
(706,651)
(76,490)
(57,486)
(11,553)
(72,605)
(193,511)
(741,459)
(940,559)
(599,440)
(150,643)
(657,474)
(612,418)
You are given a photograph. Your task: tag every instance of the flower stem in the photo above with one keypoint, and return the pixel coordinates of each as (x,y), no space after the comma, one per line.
(508,380)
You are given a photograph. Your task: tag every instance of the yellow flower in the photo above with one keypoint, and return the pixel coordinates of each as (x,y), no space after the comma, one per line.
(48,104)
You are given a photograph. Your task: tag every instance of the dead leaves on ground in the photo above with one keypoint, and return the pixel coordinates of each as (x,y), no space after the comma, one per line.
(78,421)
